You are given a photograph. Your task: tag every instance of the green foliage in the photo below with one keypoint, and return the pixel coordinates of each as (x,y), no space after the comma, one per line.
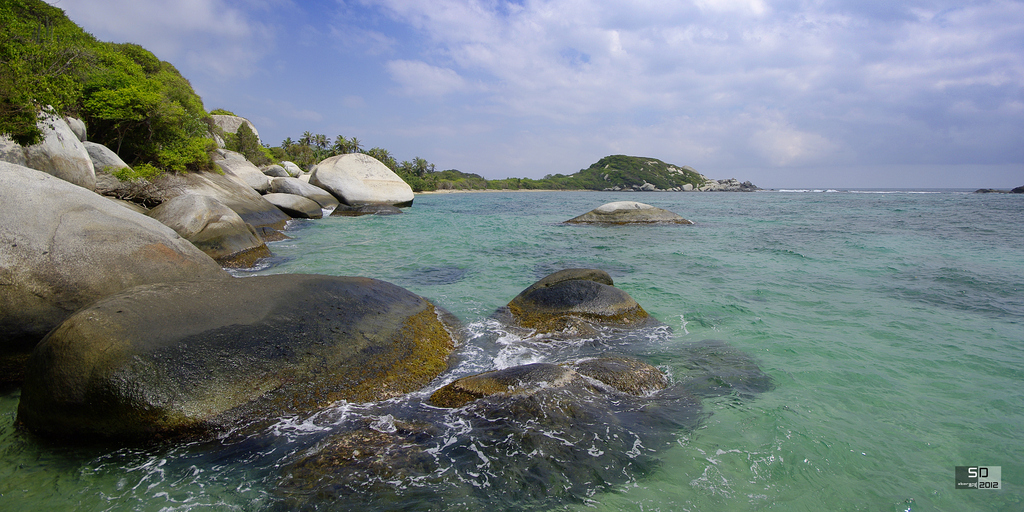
(221,112)
(246,143)
(137,105)
(139,172)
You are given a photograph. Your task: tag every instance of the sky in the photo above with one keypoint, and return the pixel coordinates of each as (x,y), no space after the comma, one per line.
(783,93)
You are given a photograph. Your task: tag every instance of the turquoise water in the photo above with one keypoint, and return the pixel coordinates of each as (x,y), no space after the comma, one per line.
(892,325)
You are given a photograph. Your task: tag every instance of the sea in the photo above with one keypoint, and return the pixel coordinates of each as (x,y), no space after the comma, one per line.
(889,322)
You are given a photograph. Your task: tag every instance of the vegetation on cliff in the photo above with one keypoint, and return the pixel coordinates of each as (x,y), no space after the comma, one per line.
(132,102)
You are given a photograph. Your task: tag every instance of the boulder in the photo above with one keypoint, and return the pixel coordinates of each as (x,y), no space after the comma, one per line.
(103,158)
(358,179)
(574,301)
(1018,190)
(628,212)
(60,153)
(214,228)
(275,171)
(193,357)
(302,188)
(625,375)
(77,127)
(366,209)
(63,247)
(293,170)
(235,165)
(245,201)
(297,207)
(231,124)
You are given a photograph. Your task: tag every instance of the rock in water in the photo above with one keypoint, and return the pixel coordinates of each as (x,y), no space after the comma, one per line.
(296,206)
(574,299)
(301,188)
(366,209)
(628,212)
(63,247)
(190,357)
(358,179)
(214,228)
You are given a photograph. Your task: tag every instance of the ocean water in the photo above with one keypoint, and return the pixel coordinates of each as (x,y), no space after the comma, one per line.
(891,324)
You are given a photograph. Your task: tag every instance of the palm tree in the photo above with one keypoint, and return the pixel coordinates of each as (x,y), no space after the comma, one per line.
(354,145)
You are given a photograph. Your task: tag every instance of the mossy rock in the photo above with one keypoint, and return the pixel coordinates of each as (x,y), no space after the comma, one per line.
(574,300)
(193,357)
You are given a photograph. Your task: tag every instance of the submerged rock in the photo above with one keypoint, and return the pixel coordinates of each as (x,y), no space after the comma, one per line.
(625,375)
(366,209)
(358,179)
(715,368)
(193,357)
(63,247)
(574,299)
(628,212)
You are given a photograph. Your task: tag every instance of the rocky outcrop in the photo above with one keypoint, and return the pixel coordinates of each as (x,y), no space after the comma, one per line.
(214,228)
(235,165)
(245,201)
(358,179)
(297,207)
(625,375)
(301,188)
(628,212)
(230,124)
(573,301)
(366,209)
(63,247)
(729,185)
(275,171)
(60,153)
(193,357)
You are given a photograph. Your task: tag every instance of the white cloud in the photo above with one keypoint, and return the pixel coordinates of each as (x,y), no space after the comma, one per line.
(418,78)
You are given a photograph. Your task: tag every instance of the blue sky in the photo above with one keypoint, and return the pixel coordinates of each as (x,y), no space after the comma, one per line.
(791,93)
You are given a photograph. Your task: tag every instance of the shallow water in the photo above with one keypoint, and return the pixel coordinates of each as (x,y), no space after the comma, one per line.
(892,325)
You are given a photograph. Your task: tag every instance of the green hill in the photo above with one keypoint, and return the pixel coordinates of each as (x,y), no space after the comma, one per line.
(628,171)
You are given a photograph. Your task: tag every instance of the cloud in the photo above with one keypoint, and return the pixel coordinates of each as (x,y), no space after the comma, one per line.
(421,79)
(214,36)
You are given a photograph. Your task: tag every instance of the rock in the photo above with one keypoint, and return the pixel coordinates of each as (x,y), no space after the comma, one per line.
(235,165)
(628,212)
(688,187)
(60,153)
(63,247)
(135,207)
(358,179)
(103,159)
(1018,190)
(574,300)
(230,124)
(648,187)
(366,209)
(301,188)
(625,375)
(245,201)
(77,127)
(293,170)
(297,207)
(194,357)
(214,228)
(275,171)
(714,368)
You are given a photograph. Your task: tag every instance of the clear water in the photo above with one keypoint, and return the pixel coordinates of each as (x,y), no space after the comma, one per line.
(891,323)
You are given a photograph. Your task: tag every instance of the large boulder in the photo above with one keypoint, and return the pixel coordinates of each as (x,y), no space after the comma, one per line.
(63,247)
(231,124)
(297,207)
(574,301)
(77,127)
(628,212)
(235,165)
(301,188)
(60,153)
(275,171)
(358,179)
(245,201)
(197,356)
(293,169)
(214,228)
